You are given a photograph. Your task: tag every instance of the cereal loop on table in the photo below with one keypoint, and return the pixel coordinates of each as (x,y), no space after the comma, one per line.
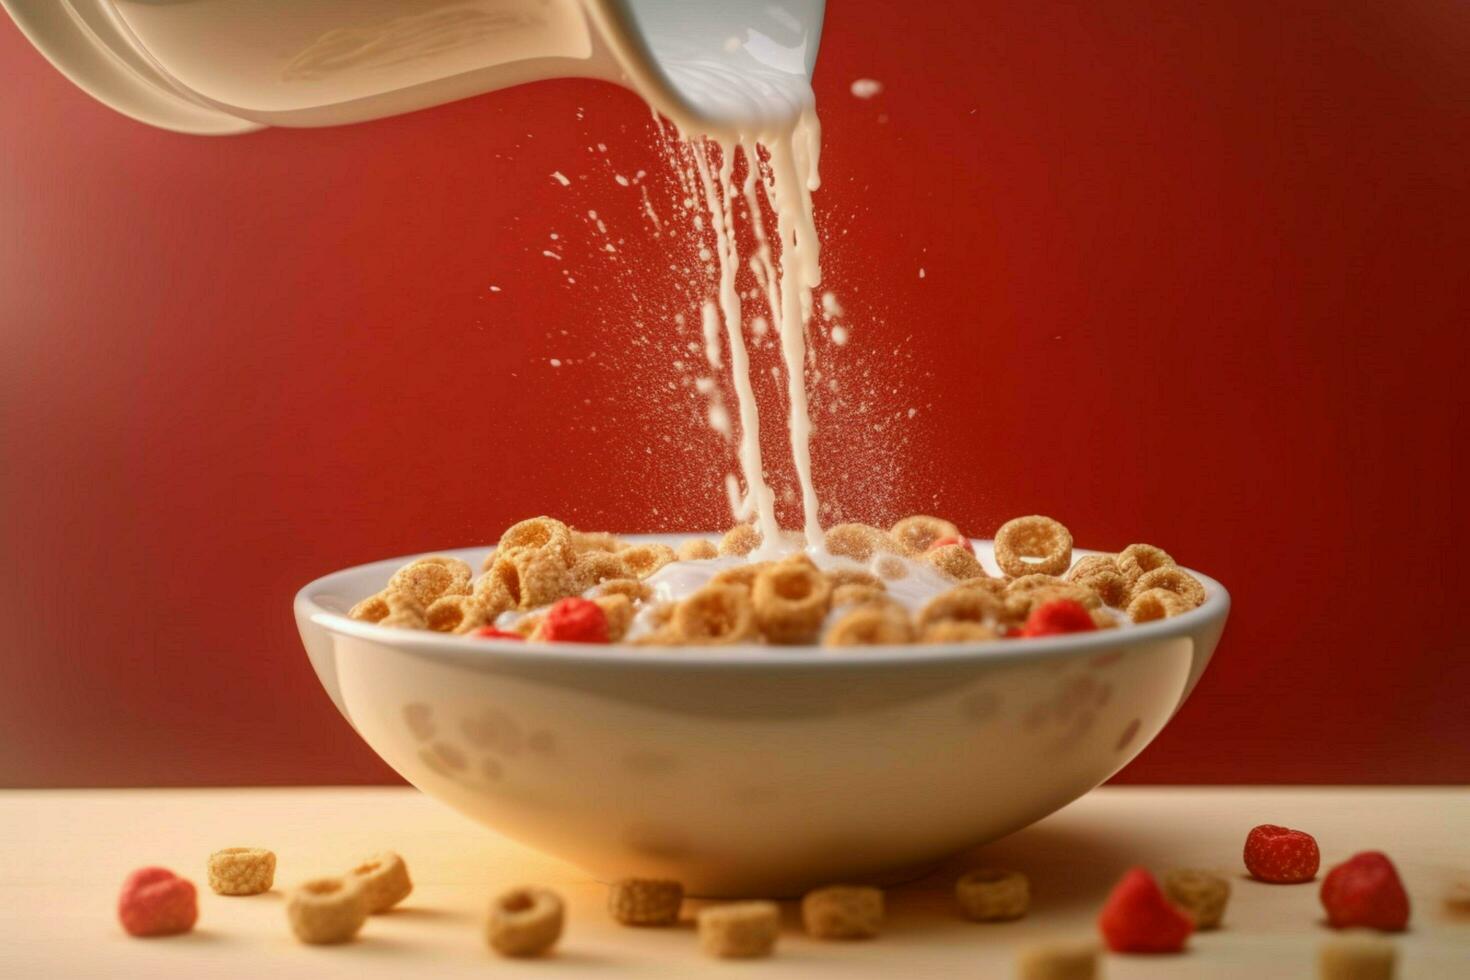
(915,534)
(791,599)
(524,922)
(585,541)
(957,631)
(697,549)
(1057,961)
(242,871)
(1200,893)
(1033,545)
(1100,574)
(457,614)
(1174,579)
(964,603)
(327,910)
(955,561)
(741,540)
(1156,604)
(645,901)
(618,609)
(384,881)
(715,615)
(858,541)
(632,588)
(1137,560)
(842,912)
(426,579)
(642,560)
(542,535)
(739,930)
(874,624)
(1357,958)
(524,579)
(987,895)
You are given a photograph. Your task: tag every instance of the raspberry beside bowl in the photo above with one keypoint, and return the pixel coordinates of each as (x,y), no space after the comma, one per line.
(752,771)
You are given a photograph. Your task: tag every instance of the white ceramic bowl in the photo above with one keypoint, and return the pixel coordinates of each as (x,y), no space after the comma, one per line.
(752,770)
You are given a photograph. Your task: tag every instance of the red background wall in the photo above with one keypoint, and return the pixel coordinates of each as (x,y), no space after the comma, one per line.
(1194,274)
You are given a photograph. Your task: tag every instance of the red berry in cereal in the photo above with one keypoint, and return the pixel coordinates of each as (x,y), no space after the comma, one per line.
(575,620)
(950,539)
(1058,616)
(1365,890)
(1138,918)
(491,633)
(157,902)
(1280,855)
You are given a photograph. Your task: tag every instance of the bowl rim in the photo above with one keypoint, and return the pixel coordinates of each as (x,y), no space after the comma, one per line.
(470,651)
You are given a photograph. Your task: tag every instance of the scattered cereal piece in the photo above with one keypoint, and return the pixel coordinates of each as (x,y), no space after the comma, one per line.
(1173,579)
(525,922)
(1457,896)
(871,624)
(157,902)
(858,541)
(426,579)
(1281,855)
(645,901)
(791,600)
(1137,918)
(574,620)
(988,895)
(739,930)
(716,614)
(242,871)
(965,603)
(1056,617)
(1202,894)
(618,609)
(1136,560)
(539,535)
(327,910)
(642,560)
(955,561)
(741,539)
(1156,604)
(843,912)
(384,881)
(957,631)
(697,549)
(1365,890)
(1057,961)
(1356,958)
(1031,545)
(916,534)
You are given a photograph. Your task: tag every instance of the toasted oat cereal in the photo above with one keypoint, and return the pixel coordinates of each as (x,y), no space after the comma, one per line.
(1357,958)
(1033,545)
(373,609)
(697,549)
(965,603)
(527,625)
(858,541)
(715,615)
(957,631)
(843,912)
(632,588)
(642,560)
(384,881)
(404,612)
(741,575)
(1457,895)
(871,624)
(457,614)
(1057,961)
(853,576)
(955,561)
(489,561)
(325,911)
(426,579)
(1136,560)
(618,609)
(916,534)
(1101,574)
(741,539)
(1202,894)
(856,595)
(1103,619)
(739,930)
(1029,591)
(987,895)
(1174,579)
(645,901)
(1156,604)
(525,579)
(890,567)
(585,541)
(595,567)
(525,922)
(242,871)
(791,600)
(539,535)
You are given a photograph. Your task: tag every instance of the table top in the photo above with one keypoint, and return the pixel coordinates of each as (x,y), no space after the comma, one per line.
(64,853)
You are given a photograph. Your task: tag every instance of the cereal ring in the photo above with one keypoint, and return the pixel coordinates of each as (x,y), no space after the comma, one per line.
(632,588)
(1057,961)
(854,576)
(489,561)
(618,609)
(890,567)
(595,567)
(741,539)
(1136,560)
(539,534)
(584,541)
(1175,580)
(426,579)
(791,600)
(384,881)
(966,604)
(858,541)
(373,609)
(525,579)
(957,631)
(874,624)
(1202,894)
(857,595)
(645,901)
(642,560)
(404,612)
(915,534)
(741,575)
(993,896)
(842,912)
(995,586)
(739,930)
(715,615)
(1103,618)
(525,922)
(327,910)
(242,871)
(1045,542)
(697,549)
(955,561)
(1100,574)
(1156,604)
(1029,591)
(457,614)
(1357,958)
(527,625)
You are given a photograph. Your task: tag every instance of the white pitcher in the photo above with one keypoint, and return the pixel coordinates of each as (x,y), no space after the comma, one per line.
(723,67)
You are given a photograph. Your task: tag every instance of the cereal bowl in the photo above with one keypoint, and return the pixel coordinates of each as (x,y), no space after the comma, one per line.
(752,770)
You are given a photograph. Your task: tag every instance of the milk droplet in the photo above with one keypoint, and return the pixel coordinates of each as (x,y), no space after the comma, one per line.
(866,88)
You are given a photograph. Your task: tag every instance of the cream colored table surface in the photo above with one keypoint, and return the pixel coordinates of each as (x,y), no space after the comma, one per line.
(64,853)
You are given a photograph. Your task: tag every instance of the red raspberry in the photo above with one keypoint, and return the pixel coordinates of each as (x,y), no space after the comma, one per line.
(491,633)
(575,620)
(1058,616)
(951,539)
(157,902)
(1137,918)
(1281,856)
(1365,891)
